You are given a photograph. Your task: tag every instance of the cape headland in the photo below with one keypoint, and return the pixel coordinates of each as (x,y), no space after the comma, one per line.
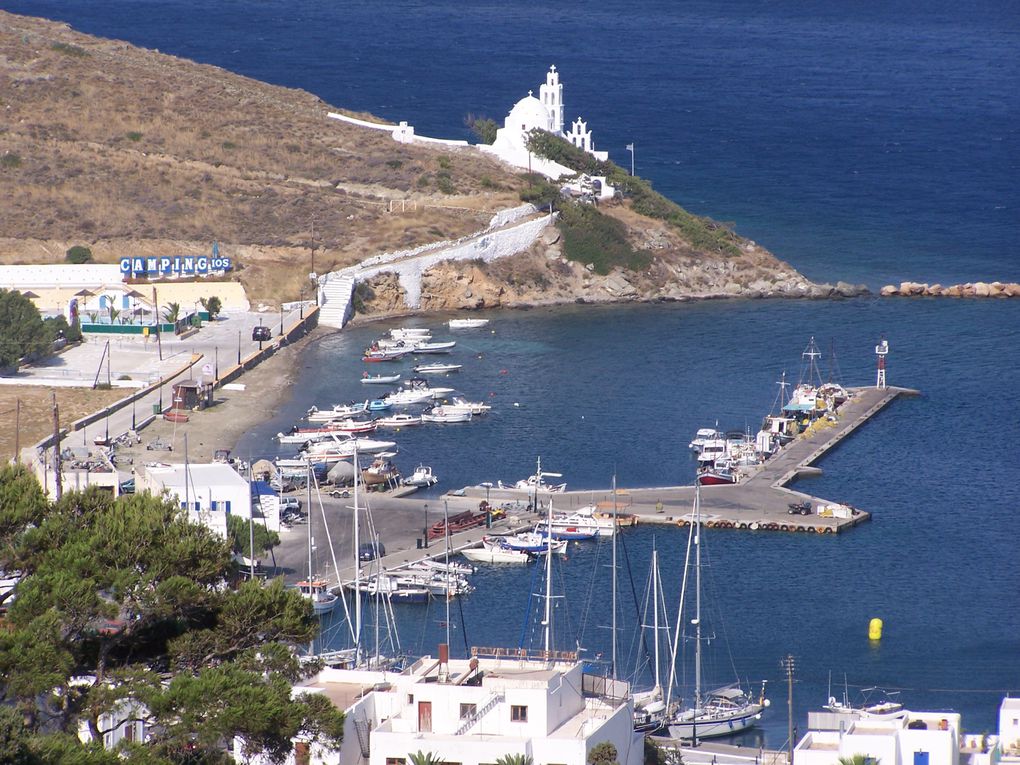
(132,152)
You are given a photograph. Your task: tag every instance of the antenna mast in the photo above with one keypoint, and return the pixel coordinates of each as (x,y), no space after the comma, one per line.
(881,350)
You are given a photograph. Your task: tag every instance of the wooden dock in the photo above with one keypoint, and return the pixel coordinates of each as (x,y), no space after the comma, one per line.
(759,503)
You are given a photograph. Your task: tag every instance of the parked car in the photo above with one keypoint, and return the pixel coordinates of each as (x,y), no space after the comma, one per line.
(371,550)
(261,333)
(290,503)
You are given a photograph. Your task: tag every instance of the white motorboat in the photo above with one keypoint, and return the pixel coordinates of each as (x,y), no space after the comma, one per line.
(422,477)
(336,412)
(395,589)
(437,369)
(426,347)
(383,354)
(703,435)
(408,397)
(346,443)
(726,710)
(531,483)
(570,526)
(453,567)
(398,421)
(530,542)
(458,404)
(467,323)
(422,385)
(496,552)
(367,379)
(875,704)
(410,333)
(443,415)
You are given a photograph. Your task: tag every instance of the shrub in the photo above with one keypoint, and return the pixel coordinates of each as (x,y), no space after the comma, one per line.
(78,254)
(394,164)
(539,191)
(135,136)
(444,183)
(444,162)
(228,145)
(591,237)
(69,50)
(542,143)
(212,306)
(10,160)
(483,127)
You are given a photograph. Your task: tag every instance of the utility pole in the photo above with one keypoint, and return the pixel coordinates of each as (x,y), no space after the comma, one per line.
(788,664)
(155,307)
(17,431)
(57,486)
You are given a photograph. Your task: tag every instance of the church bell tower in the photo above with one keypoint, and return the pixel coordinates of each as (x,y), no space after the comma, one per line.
(551,96)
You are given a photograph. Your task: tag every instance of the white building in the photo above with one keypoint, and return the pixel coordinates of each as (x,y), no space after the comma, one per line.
(917,738)
(543,113)
(208,492)
(474,711)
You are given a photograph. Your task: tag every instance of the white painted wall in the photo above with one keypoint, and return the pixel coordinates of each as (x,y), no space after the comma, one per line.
(42,277)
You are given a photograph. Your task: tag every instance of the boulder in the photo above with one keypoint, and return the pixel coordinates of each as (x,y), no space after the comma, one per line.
(981,289)
(888,291)
(955,291)
(935,289)
(1011,290)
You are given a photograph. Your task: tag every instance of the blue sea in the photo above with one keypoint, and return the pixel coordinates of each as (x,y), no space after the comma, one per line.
(871,142)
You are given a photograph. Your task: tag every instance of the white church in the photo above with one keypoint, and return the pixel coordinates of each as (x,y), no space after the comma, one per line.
(546,113)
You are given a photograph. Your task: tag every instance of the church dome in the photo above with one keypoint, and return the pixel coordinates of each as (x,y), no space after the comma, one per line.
(527,114)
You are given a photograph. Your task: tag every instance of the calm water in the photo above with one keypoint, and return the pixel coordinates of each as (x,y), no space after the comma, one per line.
(871,143)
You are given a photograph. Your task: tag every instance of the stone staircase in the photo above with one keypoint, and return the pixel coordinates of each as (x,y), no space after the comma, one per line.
(335,296)
(493,701)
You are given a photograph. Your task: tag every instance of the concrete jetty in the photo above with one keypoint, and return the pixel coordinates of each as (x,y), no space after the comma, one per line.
(760,502)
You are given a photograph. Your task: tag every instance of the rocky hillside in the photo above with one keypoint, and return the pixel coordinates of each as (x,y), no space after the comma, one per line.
(130,151)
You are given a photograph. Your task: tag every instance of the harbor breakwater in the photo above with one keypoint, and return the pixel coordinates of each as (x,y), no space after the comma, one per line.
(975,289)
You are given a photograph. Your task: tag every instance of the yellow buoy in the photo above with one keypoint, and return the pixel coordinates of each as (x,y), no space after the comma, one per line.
(875,629)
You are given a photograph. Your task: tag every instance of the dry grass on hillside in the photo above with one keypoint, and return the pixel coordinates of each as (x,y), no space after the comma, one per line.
(37,411)
(122,149)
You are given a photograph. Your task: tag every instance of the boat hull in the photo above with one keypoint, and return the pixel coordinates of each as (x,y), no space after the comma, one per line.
(715,725)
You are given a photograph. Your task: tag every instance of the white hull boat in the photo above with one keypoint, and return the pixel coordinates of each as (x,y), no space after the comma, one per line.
(459,404)
(437,369)
(408,397)
(337,412)
(441,415)
(323,601)
(444,347)
(368,379)
(338,443)
(422,477)
(719,715)
(398,421)
(496,553)
(467,323)
(410,333)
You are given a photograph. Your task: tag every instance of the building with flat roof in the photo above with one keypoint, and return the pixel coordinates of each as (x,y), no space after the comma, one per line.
(474,711)
(209,492)
(915,738)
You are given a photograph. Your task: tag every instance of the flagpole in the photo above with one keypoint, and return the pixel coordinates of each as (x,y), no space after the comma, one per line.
(630,148)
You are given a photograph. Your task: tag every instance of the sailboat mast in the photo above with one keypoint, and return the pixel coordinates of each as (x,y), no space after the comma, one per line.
(697,596)
(446,573)
(655,618)
(548,579)
(357,564)
(614,577)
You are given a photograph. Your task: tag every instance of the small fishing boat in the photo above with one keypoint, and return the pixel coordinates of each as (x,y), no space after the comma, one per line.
(422,477)
(408,397)
(383,354)
(398,421)
(703,435)
(323,601)
(467,323)
(377,405)
(410,333)
(716,476)
(338,411)
(345,444)
(496,552)
(444,415)
(367,379)
(437,369)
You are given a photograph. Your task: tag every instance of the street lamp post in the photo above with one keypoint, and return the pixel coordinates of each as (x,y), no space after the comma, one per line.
(426,525)
(238,347)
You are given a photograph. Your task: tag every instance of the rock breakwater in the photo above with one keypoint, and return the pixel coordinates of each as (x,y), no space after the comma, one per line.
(975,289)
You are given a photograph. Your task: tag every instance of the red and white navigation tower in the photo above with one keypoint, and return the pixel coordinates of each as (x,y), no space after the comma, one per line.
(881,350)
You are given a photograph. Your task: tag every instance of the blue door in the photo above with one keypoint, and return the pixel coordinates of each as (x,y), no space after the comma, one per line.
(920,758)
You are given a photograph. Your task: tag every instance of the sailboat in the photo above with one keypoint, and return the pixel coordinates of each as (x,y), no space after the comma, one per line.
(650,706)
(316,590)
(722,711)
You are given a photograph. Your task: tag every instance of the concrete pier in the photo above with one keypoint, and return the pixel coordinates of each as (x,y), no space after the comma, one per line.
(758,503)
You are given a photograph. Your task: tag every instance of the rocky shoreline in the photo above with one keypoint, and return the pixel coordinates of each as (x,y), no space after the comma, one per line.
(975,289)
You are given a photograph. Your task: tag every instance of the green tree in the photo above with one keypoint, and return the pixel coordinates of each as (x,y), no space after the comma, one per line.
(212,305)
(483,127)
(240,532)
(858,759)
(78,254)
(602,754)
(114,312)
(22,332)
(171,313)
(131,595)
